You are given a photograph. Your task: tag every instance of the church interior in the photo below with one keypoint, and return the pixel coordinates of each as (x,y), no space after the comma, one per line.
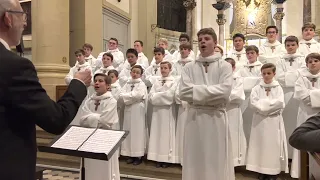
(57,28)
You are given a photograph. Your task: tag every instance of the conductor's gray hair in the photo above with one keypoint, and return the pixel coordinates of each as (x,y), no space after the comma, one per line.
(5,5)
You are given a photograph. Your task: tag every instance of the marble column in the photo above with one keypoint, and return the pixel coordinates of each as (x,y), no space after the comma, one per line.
(306,11)
(279,17)
(189,5)
(50,42)
(221,6)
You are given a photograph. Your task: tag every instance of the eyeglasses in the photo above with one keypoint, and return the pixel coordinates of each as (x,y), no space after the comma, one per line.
(24,14)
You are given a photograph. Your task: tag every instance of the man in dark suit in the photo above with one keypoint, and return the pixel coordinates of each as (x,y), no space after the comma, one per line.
(24,103)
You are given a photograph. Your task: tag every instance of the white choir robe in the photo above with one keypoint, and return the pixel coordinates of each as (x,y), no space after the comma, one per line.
(238,139)
(305,49)
(92,61)
(308,96)
(163,127)
(181,122)
(207,153)
(115,91)
(267,151)
(177,66)
(177,56)
(143,60)
(240,58)
(125,75)
(287,75)
(152,73)
(104,70)
(105,117)
(167,57)
(75,69)
(118,58)
(134,96)
(271,52)
(250,80)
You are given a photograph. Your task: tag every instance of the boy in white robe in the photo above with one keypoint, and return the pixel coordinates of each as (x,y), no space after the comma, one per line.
(287,75)
(118,57)
(267,151)
(132,57)
(134,95)
(82,65)
(163,43)
(115,90)
(100,110)
(238,139)
(251,74)
(163,127)
(107,60)
(206,85)
(153,71)
(185,58)
(307,91)
(142,59)
(183,39)
(88,56)
(239,52)
(307,43)
(272,49)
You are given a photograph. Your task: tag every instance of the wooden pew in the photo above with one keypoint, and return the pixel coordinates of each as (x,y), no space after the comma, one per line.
(304,165)
(314,166)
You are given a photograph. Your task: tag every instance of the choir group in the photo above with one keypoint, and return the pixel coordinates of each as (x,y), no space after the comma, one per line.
(193,109)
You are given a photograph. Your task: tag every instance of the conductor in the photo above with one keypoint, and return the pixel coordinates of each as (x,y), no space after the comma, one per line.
(24,103)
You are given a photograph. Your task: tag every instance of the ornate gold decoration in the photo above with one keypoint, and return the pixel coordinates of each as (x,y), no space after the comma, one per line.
(64,60)
(279,14)
(189,4)
(221,19)
(251,16)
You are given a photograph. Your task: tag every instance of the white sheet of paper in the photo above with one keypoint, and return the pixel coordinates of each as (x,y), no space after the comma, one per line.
(73,138)
(102,141)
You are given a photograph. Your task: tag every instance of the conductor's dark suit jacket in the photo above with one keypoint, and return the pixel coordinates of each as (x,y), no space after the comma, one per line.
(23,105)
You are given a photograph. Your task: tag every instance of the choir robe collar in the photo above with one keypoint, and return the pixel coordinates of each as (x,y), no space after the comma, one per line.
(287,56)
(157,65)
(235,52)
(268,44)
(134,81)
(209,59)
(184,61)
(168,78)
(113,51)
(89,57)
(82,65)
(106,68)
(106,95)
(5,44)
(312,41)
(257,63)
(273,84)
(115,84)
(306,73)
(141,54)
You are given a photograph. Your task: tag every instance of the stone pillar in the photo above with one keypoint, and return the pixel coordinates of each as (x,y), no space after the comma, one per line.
(50,42)
(221,6)
(278,17)
(190,5)
(306,11)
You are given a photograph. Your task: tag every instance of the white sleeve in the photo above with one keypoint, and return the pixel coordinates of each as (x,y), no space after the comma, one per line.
(162,98)
(109,115)
(301,92)
(88,118)
(69,76)
(237,93)
(138,94)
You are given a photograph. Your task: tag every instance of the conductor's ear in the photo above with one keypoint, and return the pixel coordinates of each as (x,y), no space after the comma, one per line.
(7,20)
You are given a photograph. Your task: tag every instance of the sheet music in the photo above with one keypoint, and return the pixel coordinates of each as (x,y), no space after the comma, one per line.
(102,141)
(73,138)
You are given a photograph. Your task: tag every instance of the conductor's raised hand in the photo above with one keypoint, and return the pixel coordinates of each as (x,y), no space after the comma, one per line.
(84,76)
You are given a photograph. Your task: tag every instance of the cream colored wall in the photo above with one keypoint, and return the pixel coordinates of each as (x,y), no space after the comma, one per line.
(133,26)
(293,18)
(123,5)
(209,15)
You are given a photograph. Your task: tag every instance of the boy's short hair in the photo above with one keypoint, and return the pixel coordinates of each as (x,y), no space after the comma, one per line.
(132,51)
(269,65)
(115,39)
(87,45)
(164,40)
(79,51)
(233,62)
(139,41)
(252,48)
(184,36)
(106,78)
(313,55)
(291,39)
(109,55)
(309,25)
(139,67)
(185,46)
(272,27)
(208,31)
(159,49)
(113,71)
(220,47)
(240,36)
(167,62)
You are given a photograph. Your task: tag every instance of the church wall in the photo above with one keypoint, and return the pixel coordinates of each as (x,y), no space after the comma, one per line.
(293,18)
(209,15)
(124,5)
(133,26)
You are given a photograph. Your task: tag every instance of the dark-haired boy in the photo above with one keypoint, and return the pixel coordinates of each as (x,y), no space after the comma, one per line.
(307,43)
(238,53)
(183,39)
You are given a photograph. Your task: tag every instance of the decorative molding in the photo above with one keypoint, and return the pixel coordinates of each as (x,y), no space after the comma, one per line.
(189,4)
(52,68)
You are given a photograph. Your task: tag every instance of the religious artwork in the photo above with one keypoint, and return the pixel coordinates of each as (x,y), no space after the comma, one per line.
(251,16)
(171,15)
